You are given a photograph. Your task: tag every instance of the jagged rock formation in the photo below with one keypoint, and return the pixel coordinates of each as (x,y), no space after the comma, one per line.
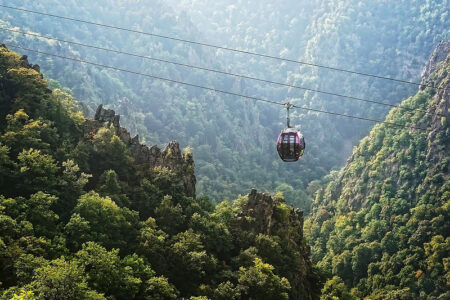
(439,55)
(264,214)
(26,64)
(148,157)
(261,210)
(435,75)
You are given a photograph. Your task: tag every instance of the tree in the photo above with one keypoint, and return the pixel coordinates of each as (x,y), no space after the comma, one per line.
(215,236)
(23,133)
(170,217)
(336,289)
(167,181)
(39,213)
(361,257)
(189,263)
(62,279)
(223,213)
(146,197)
(36,210)
(436,251)
(342,266)
(78,231)
(24,294)
(28,89)
(152,245)
(62,109)
(226,291)
(71,185)
(111,153)
(105,222)
(111,187)
(109,274)
(37,171)
(159,288)
(6,171)
(259,282)
(270,250)
(26,266)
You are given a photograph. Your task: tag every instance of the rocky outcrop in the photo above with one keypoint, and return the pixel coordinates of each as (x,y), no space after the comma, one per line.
(259,215)
(26,64)
(264,214)
(436,75)
(439,55)
(107,116)
(146,157)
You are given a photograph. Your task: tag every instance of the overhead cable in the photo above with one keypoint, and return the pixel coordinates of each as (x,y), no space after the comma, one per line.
(216,71)
(218,47)
(214,89)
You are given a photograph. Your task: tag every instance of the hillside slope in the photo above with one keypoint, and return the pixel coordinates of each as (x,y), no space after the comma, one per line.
(382,223)
(87,212)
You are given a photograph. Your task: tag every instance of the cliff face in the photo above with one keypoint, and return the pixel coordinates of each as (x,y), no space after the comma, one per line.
(261,209)
(264,214)
(146,157)
(439,55)
(437,73)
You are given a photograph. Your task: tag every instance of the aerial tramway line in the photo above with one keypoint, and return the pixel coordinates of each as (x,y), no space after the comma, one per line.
(290,143)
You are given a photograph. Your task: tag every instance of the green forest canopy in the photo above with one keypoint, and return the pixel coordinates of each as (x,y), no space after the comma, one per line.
(380,226)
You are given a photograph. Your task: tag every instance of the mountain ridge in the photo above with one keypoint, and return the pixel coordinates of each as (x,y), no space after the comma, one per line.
(375,223)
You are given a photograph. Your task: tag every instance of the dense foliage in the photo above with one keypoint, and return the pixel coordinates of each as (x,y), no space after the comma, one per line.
(79,221)
(230,137)
(380,226)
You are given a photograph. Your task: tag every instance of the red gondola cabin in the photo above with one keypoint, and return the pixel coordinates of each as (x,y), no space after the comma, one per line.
(290,144)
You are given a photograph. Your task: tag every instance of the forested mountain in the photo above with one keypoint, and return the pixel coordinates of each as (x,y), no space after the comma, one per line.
(232,138)
(380,226)
(87,212)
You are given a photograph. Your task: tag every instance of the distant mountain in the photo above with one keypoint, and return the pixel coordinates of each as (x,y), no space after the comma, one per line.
(381,225)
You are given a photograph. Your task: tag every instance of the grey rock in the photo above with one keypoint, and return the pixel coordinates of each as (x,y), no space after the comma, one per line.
(144,157)
(264,214)
(439,54)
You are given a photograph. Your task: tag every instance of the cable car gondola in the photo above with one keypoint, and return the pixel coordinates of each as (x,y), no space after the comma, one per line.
(291,143)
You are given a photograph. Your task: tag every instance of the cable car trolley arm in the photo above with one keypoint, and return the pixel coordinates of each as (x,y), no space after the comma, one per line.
(288,106)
